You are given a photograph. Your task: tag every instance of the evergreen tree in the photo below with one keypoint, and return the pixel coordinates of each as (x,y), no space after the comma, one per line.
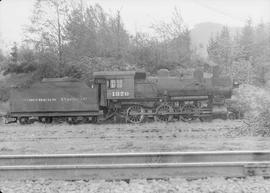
(246,55)
(225,48)
(247,41)
(220,49)
(14,54)
(213,49)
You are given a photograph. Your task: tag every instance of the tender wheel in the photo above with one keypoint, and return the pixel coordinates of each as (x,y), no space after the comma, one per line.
(71,120)
(87,120)
(94,119)
(42,119)
(45,119)
(188,110)
(49,120)
(206,118)
(91,119)
(232,116)
(135,114)
(24,120)
(162,111)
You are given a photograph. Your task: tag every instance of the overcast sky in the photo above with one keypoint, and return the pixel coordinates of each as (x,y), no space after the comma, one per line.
(138,15)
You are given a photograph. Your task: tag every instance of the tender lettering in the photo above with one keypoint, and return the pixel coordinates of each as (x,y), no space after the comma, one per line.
(40,100)
(62,99)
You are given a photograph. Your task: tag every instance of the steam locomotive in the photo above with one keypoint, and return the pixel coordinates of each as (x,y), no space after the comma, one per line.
(129,96)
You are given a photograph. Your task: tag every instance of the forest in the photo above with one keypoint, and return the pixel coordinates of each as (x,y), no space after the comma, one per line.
(65,38)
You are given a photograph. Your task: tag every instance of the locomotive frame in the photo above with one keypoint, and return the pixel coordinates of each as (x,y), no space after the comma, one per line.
(127,96)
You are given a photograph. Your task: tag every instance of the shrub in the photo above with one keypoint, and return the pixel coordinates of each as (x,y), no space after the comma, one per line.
(255,103)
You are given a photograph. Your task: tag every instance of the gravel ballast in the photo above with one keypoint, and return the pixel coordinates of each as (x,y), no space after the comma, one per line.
(178,185)
(106,138)
(179,136)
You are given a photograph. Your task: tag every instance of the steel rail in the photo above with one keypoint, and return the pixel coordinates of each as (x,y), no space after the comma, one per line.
(144,157)
(135,165)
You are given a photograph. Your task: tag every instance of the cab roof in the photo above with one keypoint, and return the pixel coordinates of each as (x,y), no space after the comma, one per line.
(64,79)
(116,74)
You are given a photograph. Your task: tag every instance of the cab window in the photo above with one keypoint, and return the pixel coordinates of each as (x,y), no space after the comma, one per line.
(112,84)
(119,83)
(115,83)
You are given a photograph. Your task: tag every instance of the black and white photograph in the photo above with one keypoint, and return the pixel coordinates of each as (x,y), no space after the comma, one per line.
(134,96)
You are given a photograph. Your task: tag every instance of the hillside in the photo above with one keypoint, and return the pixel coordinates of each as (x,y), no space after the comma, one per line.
(202,32)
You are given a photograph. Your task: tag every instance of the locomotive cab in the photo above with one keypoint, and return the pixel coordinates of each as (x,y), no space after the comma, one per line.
(126,94)
(117,85)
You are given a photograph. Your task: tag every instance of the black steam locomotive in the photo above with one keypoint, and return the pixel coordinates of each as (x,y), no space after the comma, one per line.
(130,96)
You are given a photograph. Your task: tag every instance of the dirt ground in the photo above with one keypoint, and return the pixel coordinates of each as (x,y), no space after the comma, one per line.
(87,138)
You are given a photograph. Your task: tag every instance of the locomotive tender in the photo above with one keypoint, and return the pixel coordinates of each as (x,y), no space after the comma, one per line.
(122,95)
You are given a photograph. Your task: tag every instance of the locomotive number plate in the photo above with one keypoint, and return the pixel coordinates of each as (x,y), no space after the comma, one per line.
(120,94)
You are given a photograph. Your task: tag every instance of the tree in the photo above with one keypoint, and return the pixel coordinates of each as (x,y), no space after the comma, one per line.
(3,61)
(145,52)
(12,63)
(246,55)
(27,60)
(14,54)
(46,29)
(212,49)
(173,42)
(21,60)
(172,29)
(261,53)
(91,32)
(83,39)
(220,49)
(247,41)
(2,57)
(261,43)
(225,48)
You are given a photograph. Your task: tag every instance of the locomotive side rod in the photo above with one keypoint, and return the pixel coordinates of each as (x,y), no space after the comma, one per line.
(172,113)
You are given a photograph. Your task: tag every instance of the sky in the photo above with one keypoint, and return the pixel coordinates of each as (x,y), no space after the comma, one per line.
(139,15)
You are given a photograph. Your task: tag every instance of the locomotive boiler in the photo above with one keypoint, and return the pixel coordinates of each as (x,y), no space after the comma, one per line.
(130,96)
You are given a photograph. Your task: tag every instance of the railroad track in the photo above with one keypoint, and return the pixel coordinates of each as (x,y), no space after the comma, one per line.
(135,165)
